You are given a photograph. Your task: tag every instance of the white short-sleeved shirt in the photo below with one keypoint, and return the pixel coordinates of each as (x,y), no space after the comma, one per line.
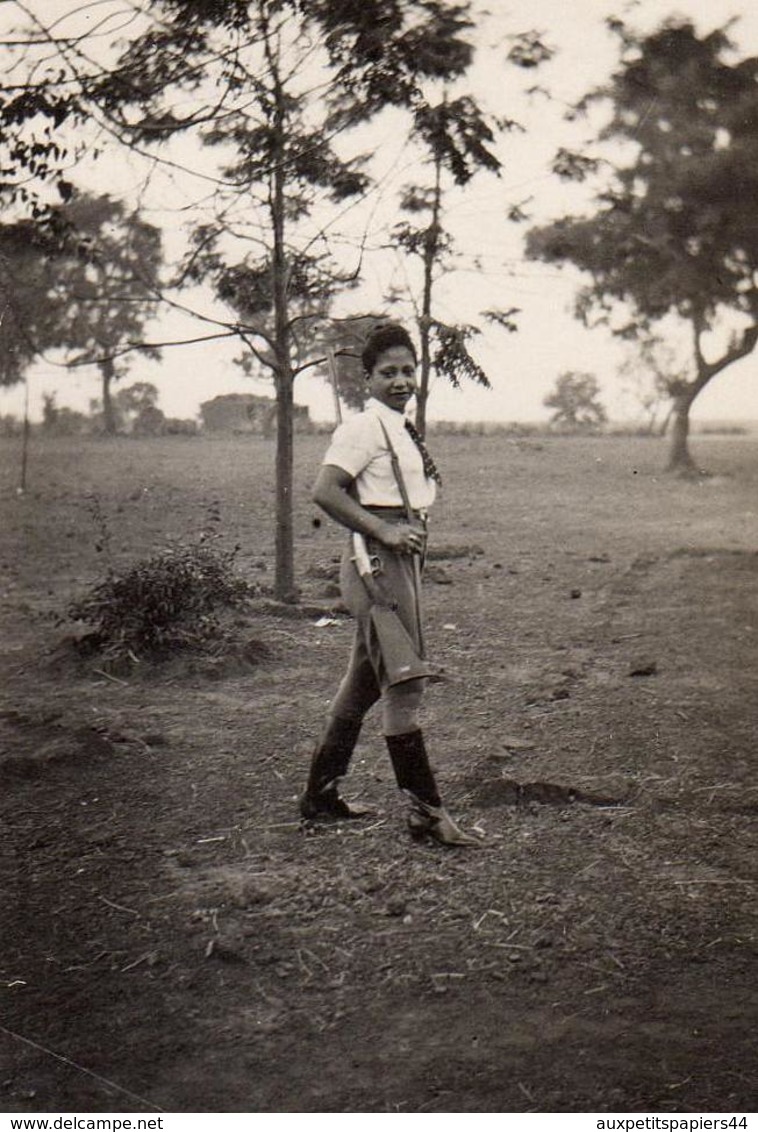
(358,446)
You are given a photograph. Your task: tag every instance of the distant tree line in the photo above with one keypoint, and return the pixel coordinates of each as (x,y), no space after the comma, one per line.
(133,410)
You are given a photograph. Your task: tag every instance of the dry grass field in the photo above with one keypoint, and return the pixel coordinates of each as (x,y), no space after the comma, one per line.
(173,939)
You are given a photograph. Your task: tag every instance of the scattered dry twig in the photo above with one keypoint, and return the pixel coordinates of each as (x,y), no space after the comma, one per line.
(108,676)
(118,907)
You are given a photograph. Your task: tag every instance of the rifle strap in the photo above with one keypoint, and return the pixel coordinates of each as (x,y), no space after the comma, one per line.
(398,473)
(410,517)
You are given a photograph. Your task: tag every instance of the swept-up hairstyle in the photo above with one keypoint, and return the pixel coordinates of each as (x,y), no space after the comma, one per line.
(383,337)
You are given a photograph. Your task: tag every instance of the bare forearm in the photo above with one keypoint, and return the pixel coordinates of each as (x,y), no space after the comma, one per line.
(333,494)
(345,510)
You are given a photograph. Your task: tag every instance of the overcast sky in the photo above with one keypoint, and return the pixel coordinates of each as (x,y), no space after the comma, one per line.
(523,366)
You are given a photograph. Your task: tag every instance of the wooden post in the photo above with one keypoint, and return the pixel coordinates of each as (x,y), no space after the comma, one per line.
(332,364)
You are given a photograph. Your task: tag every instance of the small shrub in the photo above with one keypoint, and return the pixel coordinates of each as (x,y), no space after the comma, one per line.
(161,604)
(10,425)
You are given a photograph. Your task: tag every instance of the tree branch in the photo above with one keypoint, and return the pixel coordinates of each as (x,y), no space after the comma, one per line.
(131,347)
(741,350)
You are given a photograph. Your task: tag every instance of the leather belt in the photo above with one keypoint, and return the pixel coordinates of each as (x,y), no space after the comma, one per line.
(390,512)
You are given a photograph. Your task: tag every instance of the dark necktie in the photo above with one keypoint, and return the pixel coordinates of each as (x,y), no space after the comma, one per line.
(430,468)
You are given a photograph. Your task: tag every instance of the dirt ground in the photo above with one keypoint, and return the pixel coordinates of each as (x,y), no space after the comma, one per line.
(172,938)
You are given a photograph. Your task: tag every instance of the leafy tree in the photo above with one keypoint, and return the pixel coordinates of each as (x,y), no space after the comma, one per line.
(33,158)
(133,400)
(457,141)
(272,84)
(10,425)
(84,280)
(456,138)
(119,293)
(60,420)
(676,233)
(575,402)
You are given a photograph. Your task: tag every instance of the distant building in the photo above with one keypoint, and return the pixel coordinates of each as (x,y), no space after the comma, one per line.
(246,412)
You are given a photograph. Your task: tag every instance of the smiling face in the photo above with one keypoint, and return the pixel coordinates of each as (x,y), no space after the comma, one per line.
(393,378)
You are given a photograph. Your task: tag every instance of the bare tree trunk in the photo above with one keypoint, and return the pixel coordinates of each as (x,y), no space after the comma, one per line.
(108,372)
(284,577)
(680,460)
(284,582)
(431,242)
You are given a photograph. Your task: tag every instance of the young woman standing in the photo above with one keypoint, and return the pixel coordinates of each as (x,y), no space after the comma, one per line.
(375,470)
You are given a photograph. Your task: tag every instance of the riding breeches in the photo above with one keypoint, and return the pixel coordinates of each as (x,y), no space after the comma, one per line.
(365,680)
